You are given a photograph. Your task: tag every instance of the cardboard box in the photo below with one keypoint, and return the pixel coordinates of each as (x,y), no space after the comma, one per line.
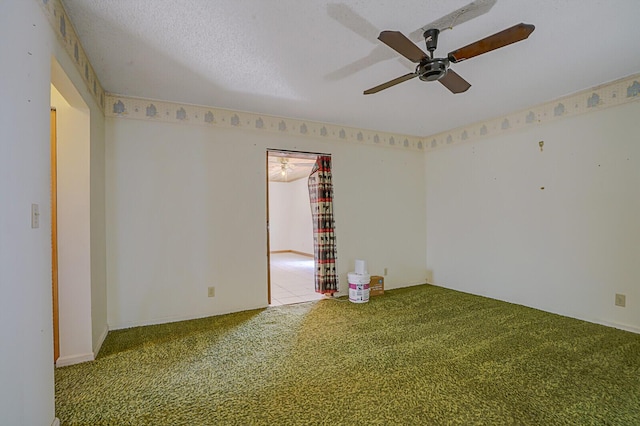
(376,285)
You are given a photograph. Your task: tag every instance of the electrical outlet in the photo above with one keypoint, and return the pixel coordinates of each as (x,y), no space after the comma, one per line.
(621,300)
(211,292)
(385,272)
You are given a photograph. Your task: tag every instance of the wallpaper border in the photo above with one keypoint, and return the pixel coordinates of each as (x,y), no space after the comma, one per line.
(171,112)
(618,92)
(63,27)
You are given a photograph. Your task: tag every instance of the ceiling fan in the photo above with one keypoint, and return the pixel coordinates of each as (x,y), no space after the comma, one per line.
(430,68)
(285,169)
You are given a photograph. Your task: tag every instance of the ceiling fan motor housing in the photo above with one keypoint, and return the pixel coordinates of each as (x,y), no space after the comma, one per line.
(433,69)
(431,39)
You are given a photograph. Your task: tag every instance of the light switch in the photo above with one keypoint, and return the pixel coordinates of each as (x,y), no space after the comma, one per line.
(35,216)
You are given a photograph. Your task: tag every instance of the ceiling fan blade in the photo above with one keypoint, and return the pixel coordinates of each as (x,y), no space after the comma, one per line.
(503,38)
(401,44)
(390,83)
(454,82)
(455,18)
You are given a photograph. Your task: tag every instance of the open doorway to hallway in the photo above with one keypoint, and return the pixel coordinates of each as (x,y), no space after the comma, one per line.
(291,261)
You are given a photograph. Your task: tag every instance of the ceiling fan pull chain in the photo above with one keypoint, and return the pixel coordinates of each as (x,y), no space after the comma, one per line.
(455,18)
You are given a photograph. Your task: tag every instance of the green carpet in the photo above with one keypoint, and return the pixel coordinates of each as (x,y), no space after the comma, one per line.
(416,356)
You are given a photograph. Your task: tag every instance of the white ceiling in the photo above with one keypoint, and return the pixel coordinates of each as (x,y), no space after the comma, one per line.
(312,59)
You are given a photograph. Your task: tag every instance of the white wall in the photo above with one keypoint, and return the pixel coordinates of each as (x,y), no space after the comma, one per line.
(492,230)
(290,222)
(26,358)
(279,202)
(301,228)
(186,209)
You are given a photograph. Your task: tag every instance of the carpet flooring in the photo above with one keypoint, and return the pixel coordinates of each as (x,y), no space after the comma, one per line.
(416,356)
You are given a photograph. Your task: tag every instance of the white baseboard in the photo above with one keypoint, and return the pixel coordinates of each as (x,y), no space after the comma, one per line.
(63,361)
(56,422)
(301,253)
(625,327)
(96,348)
(403,285)
(606,323)
(166,320)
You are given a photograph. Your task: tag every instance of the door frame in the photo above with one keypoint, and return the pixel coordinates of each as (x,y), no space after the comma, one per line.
(280,153)
(54,235)
(266,171)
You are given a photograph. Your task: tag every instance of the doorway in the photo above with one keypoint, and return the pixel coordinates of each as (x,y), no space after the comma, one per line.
(289,228)
(71,222)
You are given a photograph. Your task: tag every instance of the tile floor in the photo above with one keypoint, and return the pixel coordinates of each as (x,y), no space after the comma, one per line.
(292,279)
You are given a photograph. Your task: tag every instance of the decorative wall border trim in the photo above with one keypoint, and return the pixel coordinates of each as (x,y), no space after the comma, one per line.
(67,35)
(615,93)
(170,112)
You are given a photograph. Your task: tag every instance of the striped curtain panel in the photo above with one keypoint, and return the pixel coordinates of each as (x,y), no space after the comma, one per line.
(324,238)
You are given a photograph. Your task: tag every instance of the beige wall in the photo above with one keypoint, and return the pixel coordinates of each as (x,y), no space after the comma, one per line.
(568,248)
(186,209)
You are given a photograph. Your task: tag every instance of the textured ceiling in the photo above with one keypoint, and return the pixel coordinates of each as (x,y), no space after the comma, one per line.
(312,59)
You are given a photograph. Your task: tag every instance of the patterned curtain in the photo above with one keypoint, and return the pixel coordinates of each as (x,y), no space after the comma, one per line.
(324,238)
